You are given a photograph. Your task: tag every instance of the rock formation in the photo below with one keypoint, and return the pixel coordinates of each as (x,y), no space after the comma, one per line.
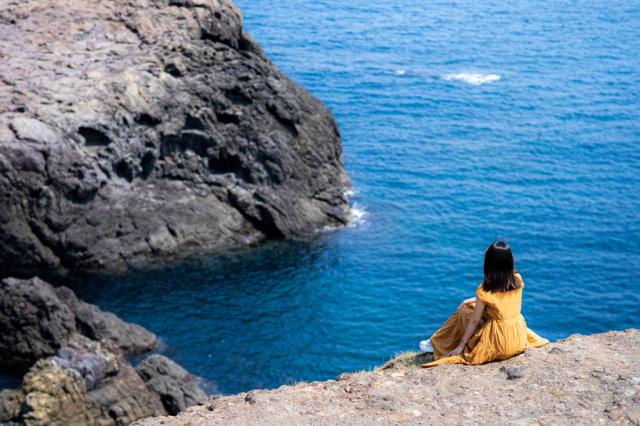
(136,130)
(580,380)
(86,384)
(77,374)
(172,383)
(37,320)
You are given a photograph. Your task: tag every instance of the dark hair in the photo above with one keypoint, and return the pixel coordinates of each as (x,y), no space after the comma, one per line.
(499,274)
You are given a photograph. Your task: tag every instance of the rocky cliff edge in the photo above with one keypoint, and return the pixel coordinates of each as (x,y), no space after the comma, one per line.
(580,380)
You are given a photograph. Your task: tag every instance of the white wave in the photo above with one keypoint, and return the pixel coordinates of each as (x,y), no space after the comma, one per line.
(357,215)
(251,238)
(475,79)
(401,72)
(349,193)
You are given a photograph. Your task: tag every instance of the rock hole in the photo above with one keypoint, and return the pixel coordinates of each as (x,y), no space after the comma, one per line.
(287,125)
(225,118)
(237,97)
(208,36)
(93,137)
(195,140)
(81,195)
(123,170)
(147,120)
(147,163)
(173,70)
(226,164)
(193,123)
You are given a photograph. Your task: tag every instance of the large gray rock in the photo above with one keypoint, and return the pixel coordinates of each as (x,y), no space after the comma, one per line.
(34,322)
(37,320)
(171,382)
(97,325)
(136,130)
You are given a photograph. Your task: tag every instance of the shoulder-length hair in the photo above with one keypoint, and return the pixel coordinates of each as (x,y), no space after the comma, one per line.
(499,273)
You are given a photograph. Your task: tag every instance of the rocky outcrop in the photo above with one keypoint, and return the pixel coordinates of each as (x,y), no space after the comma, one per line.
(580,380)
(87,383)
(78,374)
(172,383)
(97,325)
(36,320)
(133,131)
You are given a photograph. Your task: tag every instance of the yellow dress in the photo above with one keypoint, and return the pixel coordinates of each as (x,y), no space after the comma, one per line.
(502,332)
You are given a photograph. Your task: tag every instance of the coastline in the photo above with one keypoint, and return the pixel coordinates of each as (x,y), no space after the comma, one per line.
(579,380)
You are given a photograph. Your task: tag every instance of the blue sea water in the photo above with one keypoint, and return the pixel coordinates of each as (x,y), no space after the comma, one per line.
(463,122)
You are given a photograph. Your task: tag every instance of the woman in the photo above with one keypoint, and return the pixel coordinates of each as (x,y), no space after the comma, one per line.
(489,326)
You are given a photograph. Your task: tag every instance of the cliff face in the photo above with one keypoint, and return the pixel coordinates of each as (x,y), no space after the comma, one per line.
(580,380)
(133,130)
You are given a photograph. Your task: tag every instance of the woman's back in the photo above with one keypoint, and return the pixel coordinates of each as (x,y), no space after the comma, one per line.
(502,305)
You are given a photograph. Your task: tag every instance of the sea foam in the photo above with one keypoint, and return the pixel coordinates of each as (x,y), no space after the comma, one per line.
(475,79)
(357,215)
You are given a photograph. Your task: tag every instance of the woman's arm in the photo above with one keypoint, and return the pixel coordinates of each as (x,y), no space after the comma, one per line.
(466,302)
(471,327)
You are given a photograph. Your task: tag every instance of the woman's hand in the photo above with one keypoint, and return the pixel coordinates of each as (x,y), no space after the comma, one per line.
(457,351)
(465,303)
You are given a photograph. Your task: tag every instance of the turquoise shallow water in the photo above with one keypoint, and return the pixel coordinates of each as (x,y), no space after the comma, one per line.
(463,122)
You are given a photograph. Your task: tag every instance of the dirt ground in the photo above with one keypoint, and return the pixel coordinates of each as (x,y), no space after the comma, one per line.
(580,380)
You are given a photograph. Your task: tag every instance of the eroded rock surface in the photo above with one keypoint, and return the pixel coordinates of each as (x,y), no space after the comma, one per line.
(36,320)
(87,383)
(133,130)
(580,380)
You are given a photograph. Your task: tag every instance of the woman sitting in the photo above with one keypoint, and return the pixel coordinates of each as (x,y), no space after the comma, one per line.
(489,326)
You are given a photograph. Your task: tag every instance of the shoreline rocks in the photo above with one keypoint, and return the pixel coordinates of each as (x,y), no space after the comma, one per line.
(36,320)
(137,131)
(580,380)
(172,383)
(74,353)
(86,383)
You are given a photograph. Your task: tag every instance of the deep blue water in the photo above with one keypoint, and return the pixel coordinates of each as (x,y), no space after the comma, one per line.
(463,122)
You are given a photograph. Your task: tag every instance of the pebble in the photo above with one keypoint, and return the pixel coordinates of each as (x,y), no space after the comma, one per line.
(513,372)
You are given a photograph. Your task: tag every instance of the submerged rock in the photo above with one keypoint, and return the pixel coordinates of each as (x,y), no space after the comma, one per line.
(37,320)
(133,131)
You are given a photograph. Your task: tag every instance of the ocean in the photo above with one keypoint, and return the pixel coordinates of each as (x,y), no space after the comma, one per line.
(463,122)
